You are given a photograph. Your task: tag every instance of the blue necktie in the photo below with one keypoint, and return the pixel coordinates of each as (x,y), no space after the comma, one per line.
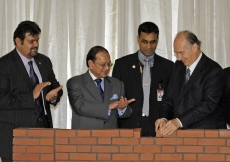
(187,75)
(39,102)
(98,81)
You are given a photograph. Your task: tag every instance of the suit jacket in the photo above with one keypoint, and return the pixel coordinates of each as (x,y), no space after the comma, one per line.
(198,104)
(89,110)
(227,94)
(17,106)
(127,69)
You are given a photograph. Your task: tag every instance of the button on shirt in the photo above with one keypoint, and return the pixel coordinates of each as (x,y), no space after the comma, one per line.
(120,111)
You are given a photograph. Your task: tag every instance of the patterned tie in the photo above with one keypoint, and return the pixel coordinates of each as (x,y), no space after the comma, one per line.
(34,81)
(98,81)
(187,75)
(146,86)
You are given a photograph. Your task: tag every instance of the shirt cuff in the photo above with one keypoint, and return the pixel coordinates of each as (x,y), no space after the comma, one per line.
(121,111)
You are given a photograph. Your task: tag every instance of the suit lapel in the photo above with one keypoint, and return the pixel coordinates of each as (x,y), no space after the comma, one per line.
(107,89)
(195,75)
(155,70)
(91,86)
(21,68)
(42,68)
(135,65)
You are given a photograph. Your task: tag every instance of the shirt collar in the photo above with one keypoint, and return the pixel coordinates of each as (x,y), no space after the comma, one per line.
(24,59)
(141,58)
(93,76)
(193,66)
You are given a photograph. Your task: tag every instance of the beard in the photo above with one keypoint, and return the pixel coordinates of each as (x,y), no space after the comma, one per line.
(33,52)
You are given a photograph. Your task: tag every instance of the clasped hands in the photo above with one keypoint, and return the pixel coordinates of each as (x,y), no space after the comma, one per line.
(52,95)
(121,104)
(167,127)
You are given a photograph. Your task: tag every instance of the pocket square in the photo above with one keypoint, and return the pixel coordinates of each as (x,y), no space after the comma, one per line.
(115,96)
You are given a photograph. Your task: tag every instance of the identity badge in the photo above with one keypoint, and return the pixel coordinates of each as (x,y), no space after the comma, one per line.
(160,93)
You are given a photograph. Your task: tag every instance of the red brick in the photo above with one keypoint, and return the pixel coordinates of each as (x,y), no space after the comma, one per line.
(192,149)
(211,149)
(104,140)
(168,149)
(66,148)
(147,141)
(104,157)
(169,141)
(137,133)
(158,134)
(65,133)
(224,133)
(125,141)
(211,157)
(228,143)
(83,149)
(88,140)
(47,157)
(125,149)
(62,140)
(190,157)
(227,158)
(190,133)
(211,141)
(82,156)
(48,132)
(225,150)
(83,133)
(19,149)
(19,132)
(105,133)
(26,141)
(147,157)
(46,141)
(126,132)
(168,156)
(147,149)
(190,141)
(61,156)
(23,156)
(212,133)
(109,149)
(40,149)
(125,157)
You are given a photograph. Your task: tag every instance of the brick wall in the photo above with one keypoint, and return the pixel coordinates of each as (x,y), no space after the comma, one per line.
(119,145)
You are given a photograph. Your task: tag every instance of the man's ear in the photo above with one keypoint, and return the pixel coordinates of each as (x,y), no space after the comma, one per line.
(18,41)
(194,47)
(90,63)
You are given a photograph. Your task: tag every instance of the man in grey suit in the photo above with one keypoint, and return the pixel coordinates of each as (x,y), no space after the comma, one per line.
(97,100)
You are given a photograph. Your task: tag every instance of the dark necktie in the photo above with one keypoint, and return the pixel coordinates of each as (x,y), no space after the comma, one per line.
(98,81)
(39,102)
(187,75)
(146,87)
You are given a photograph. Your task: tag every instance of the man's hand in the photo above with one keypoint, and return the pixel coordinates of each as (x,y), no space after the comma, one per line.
(39,87)
(159,123)
(113,105)
(123,103)
(170,127)
(52,95)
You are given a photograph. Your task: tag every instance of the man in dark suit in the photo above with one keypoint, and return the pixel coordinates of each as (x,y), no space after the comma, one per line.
(26,88)
(227,95)
(132,70)
(97,100)
(194,96)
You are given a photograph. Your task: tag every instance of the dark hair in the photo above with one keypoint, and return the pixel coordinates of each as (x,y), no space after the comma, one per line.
(93,52)
(26,27)
(191,38)
(148,27)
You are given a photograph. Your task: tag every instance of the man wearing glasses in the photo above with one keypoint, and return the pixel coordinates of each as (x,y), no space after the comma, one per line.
(97,100)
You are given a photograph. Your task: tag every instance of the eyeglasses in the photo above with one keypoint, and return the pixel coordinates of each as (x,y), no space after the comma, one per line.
(104,64)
